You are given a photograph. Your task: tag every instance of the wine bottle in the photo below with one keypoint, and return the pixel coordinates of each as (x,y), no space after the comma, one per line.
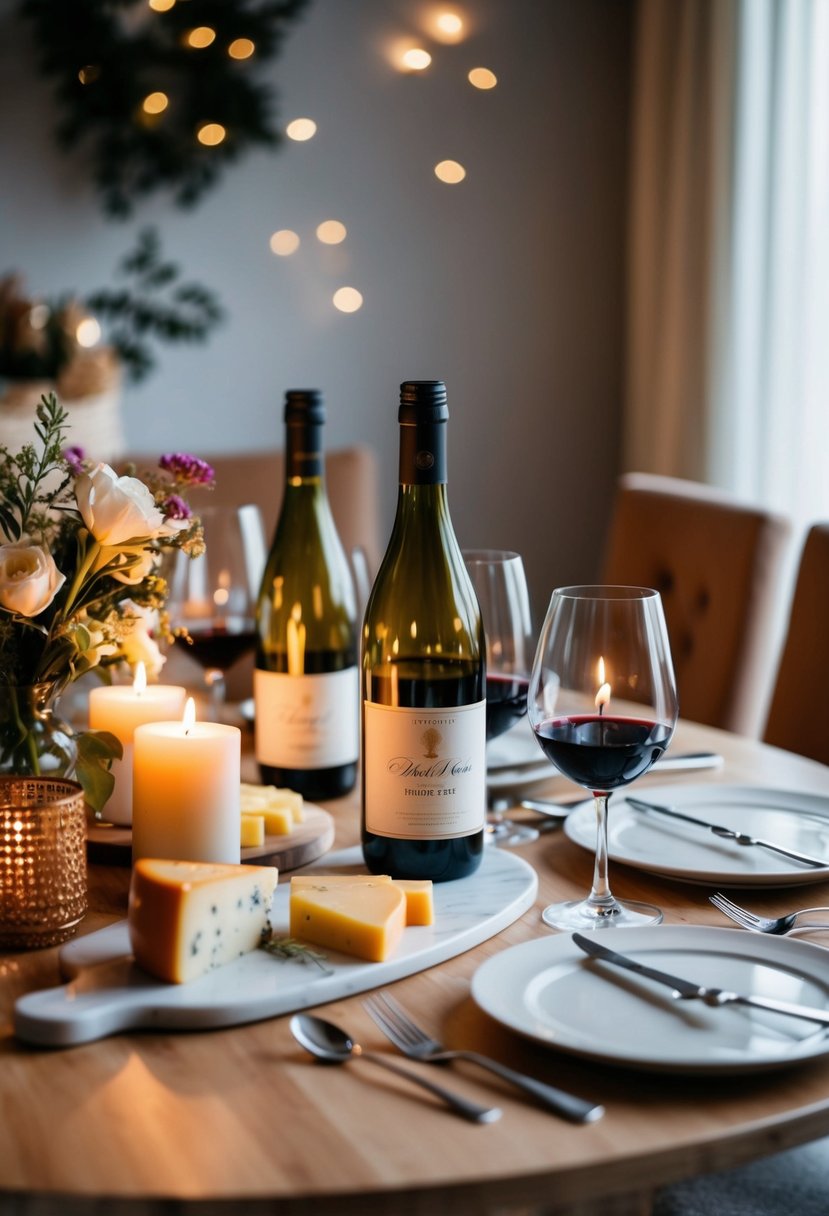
(306,683)
(423,682)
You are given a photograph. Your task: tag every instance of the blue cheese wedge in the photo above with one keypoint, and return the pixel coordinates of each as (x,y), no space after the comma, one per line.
(186,917)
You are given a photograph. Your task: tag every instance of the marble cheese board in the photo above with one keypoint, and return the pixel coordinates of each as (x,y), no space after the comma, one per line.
(107,993)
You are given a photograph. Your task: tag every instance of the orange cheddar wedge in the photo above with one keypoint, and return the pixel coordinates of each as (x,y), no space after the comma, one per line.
(420,906)
(186,917)
(364,919)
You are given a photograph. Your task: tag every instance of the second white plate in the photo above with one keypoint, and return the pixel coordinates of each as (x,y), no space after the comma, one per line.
(649,841)
(549,991)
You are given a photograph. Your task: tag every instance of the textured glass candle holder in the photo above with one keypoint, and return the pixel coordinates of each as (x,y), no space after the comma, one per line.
(43,886)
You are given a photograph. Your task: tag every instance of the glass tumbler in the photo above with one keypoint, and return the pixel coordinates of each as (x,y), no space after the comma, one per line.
(43,884)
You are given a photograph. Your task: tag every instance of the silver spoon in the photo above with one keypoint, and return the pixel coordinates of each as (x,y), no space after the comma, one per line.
(327,1042)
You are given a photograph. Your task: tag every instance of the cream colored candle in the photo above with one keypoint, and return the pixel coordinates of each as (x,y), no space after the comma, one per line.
(186,790)
(120,709)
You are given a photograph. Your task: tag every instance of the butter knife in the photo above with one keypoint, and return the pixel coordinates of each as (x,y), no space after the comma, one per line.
(687,990)
(726,833)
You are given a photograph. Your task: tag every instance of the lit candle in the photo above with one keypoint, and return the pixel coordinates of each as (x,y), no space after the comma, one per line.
(120,710)
(186,790)
(603,695)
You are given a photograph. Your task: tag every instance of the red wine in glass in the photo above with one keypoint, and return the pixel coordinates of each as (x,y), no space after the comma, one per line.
(221,643)
(506,702)
(602,751)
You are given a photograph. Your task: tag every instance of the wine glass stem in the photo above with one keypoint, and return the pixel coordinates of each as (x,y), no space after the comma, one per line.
(601,897)
(214,678)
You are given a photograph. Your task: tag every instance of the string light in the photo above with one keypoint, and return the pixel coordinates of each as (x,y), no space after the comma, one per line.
(482,78)
(331,232)
(200,37)
(241,48)
(347,299)
(450,171)
(284,242)
(416,59)
(210,134)
(155,103)
(301,129)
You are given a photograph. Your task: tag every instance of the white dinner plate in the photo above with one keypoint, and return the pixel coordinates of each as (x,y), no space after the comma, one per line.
(653,842)
(550,991)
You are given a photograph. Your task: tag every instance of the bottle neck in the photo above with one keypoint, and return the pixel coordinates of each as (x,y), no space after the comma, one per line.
(303,452)
(423,454)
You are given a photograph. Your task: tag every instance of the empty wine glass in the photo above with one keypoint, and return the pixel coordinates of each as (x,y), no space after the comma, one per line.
(501,587)
(603,706)
(213,597)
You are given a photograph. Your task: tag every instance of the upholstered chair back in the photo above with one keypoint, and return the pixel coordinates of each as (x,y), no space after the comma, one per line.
(798,718)
(719,566)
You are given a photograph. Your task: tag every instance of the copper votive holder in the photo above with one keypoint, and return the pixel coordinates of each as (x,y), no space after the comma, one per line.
(43,887)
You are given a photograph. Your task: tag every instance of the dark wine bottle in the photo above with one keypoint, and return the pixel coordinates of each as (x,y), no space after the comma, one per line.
(424,707)
(306,683)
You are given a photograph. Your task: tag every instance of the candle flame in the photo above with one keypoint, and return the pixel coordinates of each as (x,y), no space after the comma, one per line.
(603,695)
(189,714)
(139,680)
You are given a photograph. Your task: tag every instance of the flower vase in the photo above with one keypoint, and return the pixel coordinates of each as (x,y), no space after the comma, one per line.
(34,741)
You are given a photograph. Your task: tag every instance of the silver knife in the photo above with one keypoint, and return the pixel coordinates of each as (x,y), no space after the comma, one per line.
(726,833)
(686,990)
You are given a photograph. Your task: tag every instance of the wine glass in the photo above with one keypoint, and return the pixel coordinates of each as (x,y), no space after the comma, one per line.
(213,597)
(603,706)
(501,587)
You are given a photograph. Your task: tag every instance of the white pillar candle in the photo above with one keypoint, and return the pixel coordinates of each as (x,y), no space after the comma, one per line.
(186,791)
(120,710)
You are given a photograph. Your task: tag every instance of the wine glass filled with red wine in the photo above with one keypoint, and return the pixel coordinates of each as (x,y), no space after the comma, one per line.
(213,597)
(603,706)
(501,587)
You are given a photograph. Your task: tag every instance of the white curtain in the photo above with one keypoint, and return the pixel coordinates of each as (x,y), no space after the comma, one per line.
(728,342)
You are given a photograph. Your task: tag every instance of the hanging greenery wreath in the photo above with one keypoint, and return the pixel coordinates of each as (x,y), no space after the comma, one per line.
(163,93)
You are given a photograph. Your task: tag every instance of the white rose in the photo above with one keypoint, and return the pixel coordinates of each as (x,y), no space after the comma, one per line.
(117,509)
(138,647)
(137,573)
(29,578)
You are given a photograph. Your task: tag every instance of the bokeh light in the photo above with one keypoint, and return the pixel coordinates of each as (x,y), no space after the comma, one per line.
(88,332)
(301,129)
(450,171)
(348,299)
(284,242)
(155,103)
(482,78)
(89,73)
(416,59)
(331,232)
(200,37)
(210,134)
(241,48)
(161,6)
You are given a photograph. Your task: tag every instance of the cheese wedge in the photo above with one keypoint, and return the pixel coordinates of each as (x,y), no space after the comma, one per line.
(186,917)
(364,919)
(253,830)
(420,906)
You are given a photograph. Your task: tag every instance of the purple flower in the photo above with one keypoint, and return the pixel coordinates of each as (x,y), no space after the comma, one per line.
(74,458)
(187,469)
(175,507)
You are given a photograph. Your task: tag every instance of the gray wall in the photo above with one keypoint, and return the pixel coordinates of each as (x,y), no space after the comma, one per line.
(508,286)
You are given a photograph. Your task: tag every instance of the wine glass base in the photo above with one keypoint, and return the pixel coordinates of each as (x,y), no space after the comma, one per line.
(508,835)
(578,915)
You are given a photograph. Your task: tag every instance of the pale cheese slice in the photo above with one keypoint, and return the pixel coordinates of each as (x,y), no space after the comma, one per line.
(271,797)
(253,830)
(364,919)
(186,917)
(420,908)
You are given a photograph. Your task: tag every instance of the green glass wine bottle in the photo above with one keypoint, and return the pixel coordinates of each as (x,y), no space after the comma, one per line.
(306,684)
(423,681)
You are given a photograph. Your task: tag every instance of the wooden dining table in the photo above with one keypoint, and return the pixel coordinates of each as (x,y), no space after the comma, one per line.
(242,1121)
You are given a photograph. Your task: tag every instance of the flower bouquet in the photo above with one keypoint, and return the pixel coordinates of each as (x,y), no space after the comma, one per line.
(80,555)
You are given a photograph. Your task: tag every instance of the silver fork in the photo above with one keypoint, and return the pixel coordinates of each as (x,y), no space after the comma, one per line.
(413,1042)
(779,925)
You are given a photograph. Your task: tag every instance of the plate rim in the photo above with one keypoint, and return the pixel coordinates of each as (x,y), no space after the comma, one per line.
(557,948)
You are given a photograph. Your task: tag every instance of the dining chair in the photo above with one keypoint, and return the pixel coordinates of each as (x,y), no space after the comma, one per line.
(718,564)
(795,721)
(351,476)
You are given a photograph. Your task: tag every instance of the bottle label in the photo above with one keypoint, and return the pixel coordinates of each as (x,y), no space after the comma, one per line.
(307,721)
(425,771)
